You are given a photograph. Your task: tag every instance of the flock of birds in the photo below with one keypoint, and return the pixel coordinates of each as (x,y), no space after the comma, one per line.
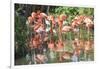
(43,47)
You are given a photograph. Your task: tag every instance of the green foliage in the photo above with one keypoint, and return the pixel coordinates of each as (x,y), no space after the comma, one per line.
(20,35)
(71,12)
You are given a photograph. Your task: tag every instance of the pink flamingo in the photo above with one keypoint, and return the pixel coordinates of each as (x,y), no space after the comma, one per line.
(89,24)
(66,29)
(51,45)
(60,19)
(59,48)
(88,47)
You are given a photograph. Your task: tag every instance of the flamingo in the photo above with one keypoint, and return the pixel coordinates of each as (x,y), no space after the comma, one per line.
(66,28)
(33,14)
(36,27)
(60,48)
(76,54)
(66,56)
(77,25)
(74,24)
(89,24)
(79,44)
(60,20)
(77,21)
(62,17)
(41,59)
(52,19)
(51,45)
(36,41)
(30,44)
(39,28)
(30,20)
(88,47)
(60,45)
(52,24)
(44,15)
(78,47)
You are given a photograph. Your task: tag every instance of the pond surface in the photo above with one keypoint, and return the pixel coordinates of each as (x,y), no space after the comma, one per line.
(53,57)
